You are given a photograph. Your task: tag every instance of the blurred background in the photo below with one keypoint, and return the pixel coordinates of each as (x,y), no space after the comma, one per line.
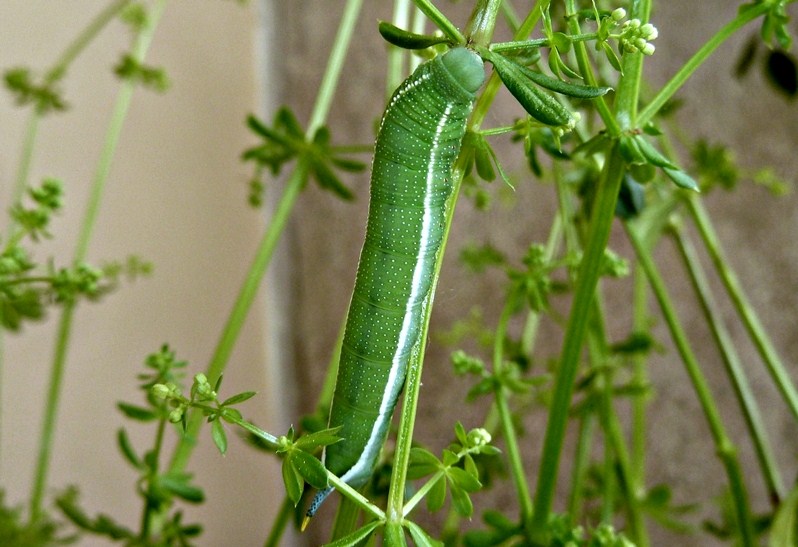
(177,197)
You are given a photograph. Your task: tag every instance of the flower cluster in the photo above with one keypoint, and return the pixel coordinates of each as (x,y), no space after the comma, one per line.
(636,36)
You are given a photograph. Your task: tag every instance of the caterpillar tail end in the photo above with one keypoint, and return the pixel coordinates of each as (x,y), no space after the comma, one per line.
(314,506)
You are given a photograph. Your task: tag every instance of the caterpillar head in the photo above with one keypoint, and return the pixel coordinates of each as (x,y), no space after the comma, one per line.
(465,67)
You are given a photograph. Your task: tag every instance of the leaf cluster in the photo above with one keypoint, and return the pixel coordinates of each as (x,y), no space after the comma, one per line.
(285,141)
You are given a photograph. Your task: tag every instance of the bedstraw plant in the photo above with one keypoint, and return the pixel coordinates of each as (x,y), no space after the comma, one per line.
(593,130)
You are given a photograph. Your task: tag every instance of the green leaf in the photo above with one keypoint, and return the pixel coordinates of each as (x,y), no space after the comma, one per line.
(311,441)
(611,55)
(682,179)
(784,530)
(436,496)
(422,463)
(358,536)
(652,154)
(177,484)
(240,398)
(127,449)
(577,91)
(292,479)
(311,469)
(462,502)
(219,436)
(408,40)
(420,537)
(537,103)
(329,181)
(460,433)
(139,413)
(460,478)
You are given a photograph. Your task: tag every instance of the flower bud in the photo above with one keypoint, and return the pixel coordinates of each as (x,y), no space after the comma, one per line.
(649,32)
(618,14)
(648,49)
(478,437)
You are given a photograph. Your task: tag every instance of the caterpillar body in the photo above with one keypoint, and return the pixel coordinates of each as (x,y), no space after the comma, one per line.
(418,142)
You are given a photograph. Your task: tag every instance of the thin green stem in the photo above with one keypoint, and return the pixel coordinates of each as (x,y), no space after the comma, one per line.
(640,379)
(768,353)
(329,83)
(598,236)
(396,55)
(724,447)
(50,412)
(404,439)
(753,11)
(734,368)
(440,21)
(242,305)
(139,51)
(581,464)
(280,523)
(294,186)
(582,59)
(147,513)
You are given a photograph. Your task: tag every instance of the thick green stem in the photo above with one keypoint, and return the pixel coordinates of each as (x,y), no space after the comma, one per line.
(598,236)
(724,447)
(139,51)
(756,331)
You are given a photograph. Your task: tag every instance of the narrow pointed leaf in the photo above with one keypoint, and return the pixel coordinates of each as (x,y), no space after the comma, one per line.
(578,91)
(357,537)
(127,449)
(436,496)
(408,40)
(540,105)
(682,179)
(219,436)
(420,537)
(311,469)
(240,398)
(652,154)
(292,480)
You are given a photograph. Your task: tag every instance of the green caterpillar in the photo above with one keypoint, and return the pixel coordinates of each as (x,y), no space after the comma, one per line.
(418,142)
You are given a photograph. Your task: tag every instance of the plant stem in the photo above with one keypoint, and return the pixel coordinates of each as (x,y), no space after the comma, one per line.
(147,513)
(280,522)
(440,21)
(139,51)
(598,236)
(582,59)
(640,379)
(734,369)
(506,418)
(243,303)
(744,308)
(268,243)
(724,447)
(667,91)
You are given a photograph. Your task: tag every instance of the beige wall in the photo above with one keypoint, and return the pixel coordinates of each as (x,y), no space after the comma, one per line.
(176,196)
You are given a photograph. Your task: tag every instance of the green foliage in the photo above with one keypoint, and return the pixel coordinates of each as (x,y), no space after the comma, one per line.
(44,96)
(43,532)
(27,287)
(285,141)
(587,129)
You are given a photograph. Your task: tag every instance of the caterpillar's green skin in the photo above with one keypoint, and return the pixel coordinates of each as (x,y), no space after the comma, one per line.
(418,141)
